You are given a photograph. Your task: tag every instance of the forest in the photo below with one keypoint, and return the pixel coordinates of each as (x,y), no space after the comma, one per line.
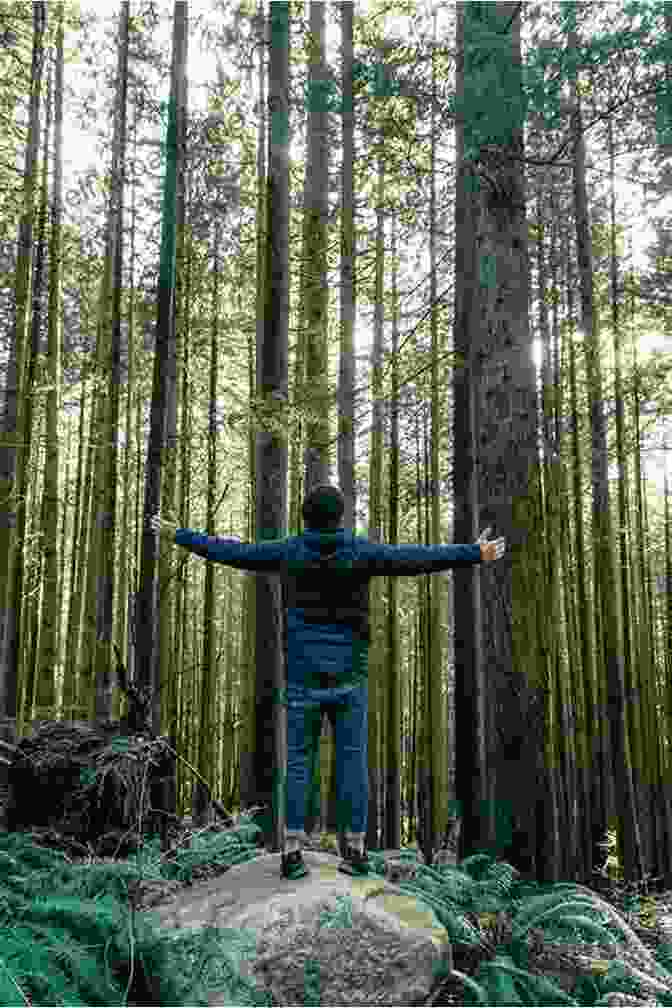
(420,250)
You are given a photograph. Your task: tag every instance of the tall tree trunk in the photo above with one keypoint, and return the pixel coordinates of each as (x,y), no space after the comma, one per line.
(498,350)
(315,257)
(125,629)
(420,656)
(271,466)
(169,675)
(642,610)
(183,600)
(80,534)
(569,644)
(148,640)
(551,845)
(32,383)
(11,547)
(470,696)
(206,749)
(605,575)
(666,698)
(635,666)
(346,378)
(438,781)
(248,674)
(376,520)
(585,624)
(52,584)
(315,304)
(425,741)
(392,827)
(103,556)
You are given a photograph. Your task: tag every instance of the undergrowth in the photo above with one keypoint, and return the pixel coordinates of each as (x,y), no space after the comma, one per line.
(71,934)
(490,913)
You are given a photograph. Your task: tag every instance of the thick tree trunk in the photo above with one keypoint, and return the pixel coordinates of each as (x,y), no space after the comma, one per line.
(316,212)
(437,721)
(497,349)
(375,530)
(103,556)
(271,466)
(392,823)
(470,696)
(29,621)
(12,432)
(604,565)
(314,377)
(346,378)
(149,663)
(248,673)
(548,836)
(208,677)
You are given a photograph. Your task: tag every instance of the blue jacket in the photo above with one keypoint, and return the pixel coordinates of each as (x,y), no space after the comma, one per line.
(325,577)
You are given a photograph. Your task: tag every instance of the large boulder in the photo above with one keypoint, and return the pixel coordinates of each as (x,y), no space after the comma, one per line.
(356,941)
(341,948)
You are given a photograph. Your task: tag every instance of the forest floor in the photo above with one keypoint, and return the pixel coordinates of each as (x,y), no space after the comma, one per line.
(192,903)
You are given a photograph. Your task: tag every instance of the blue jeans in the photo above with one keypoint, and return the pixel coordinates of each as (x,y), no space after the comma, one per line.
(347,709)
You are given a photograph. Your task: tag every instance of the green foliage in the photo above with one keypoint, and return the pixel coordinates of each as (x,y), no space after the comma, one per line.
(87,946)
(69,933)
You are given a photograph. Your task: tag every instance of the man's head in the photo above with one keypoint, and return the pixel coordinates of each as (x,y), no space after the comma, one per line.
(323,508)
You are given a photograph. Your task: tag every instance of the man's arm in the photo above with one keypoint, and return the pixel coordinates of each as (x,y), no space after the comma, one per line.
(264,557)
(412,559)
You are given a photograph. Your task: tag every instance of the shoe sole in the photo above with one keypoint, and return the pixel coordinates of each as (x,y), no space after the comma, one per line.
(296,874)
(349,869)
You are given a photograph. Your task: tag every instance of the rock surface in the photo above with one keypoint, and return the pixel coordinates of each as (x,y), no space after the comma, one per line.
(366,956)
(346,941)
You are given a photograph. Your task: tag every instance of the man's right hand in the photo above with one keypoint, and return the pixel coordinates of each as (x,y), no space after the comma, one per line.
(491,550)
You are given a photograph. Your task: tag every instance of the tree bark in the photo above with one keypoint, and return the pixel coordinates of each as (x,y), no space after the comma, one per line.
(470,696)
(103,556)
(149,663)
(605,575)
(316,212)
(392,826)
(206,748)
(375,530)
(30,632)
(346,378)
(11,547)
(271,465)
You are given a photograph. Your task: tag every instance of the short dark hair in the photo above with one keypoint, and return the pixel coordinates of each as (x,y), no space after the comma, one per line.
(324,507)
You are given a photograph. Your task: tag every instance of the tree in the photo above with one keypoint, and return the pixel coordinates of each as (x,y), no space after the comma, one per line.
(271,459)
(208,677)
(392,821)
(51,598)
(375,529)
(604,567)
(346,377)
(316,296)
(32,383)
(11,467)
(470,697)
(496,471)
(102,560)
(149,663)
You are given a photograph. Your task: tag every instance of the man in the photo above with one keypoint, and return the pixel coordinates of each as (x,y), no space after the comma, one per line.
(326,573)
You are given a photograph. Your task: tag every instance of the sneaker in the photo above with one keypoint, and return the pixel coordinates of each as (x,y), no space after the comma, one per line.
(354,862)
(293,865)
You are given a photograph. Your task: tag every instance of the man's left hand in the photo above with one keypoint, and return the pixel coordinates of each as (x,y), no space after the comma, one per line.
(165,527)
